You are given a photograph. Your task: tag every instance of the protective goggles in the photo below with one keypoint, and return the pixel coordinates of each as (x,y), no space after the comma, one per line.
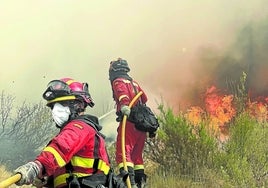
(55,89)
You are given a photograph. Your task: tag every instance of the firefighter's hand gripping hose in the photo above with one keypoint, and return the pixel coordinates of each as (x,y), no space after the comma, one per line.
(9,181)
(24,174)
(123,136)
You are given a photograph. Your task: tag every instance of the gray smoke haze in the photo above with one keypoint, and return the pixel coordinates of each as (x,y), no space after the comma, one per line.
(175,48)
(220,67)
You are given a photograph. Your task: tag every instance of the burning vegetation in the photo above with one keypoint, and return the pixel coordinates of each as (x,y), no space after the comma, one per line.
(219,110)
(222,83)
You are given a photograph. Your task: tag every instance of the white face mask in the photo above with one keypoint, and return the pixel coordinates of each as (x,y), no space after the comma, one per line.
(60,114)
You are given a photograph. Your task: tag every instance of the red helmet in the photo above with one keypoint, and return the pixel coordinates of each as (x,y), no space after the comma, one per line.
(67,89)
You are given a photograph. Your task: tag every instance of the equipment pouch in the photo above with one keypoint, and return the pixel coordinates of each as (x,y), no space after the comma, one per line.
(117,181)
(143,118)
(94,181)
(73,182)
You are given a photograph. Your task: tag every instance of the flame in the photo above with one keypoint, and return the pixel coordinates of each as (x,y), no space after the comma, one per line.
(259,109)
(194,115)
(219,109)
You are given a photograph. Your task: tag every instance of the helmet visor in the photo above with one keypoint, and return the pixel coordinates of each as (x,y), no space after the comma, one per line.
(58,85)
(56,88)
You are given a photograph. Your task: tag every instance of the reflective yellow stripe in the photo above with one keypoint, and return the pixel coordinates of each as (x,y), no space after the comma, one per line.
(130,164)
(62,178)
(122,96)
(126,81)
(88,163)
(69,82)
(138,167)
(57,156)
(82,162)
(103,167)
(64,98)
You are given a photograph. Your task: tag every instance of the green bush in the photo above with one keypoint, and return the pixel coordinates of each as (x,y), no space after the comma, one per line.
(185,149)
(190,157)
(245,157)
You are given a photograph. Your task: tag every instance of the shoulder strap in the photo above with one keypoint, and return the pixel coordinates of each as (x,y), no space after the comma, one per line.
(94,123)
(136,92)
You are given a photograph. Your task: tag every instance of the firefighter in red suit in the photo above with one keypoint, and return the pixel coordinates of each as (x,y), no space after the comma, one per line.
(123,93)
(77,156)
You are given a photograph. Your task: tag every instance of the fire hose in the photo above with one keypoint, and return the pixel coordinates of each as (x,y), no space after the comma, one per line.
(123,136)
(9,181)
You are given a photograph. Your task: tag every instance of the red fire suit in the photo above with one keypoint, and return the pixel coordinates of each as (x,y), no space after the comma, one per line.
(123,93)
(79,143)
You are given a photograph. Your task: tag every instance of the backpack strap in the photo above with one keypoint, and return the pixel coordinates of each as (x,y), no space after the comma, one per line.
(94,123)
(136,92)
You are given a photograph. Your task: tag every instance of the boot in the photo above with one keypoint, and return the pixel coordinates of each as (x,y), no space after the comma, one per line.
(140,178)
(131,176)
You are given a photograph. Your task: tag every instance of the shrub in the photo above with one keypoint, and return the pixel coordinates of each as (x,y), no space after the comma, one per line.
(245,158)
(183,148)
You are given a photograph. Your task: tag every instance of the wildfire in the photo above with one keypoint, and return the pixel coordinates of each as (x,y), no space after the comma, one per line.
(219,110)
(195,114)
(259,109)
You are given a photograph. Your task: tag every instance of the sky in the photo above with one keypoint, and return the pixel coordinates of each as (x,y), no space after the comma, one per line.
(175,48)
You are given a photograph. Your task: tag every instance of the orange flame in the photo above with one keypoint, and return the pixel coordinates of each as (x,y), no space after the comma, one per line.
(194,115)
(219,109)
(259,109)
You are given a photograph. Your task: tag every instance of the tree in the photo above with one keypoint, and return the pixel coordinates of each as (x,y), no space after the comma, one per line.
(6,105)
(25,130)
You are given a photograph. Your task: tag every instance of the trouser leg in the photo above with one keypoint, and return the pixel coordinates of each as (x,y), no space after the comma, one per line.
(140,178)
(131,175)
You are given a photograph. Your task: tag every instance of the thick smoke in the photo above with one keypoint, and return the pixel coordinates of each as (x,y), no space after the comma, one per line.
(247,54)
(175,49)
(223,67)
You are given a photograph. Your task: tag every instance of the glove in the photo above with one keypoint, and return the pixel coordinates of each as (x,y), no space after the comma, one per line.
(125,110)
(29,172)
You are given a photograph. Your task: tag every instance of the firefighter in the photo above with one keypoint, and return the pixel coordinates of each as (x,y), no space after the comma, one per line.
(76,157)
(123,92)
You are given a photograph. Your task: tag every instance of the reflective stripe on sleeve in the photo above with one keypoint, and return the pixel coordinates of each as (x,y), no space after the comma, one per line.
(126,81)
(57,156)
(122,96)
